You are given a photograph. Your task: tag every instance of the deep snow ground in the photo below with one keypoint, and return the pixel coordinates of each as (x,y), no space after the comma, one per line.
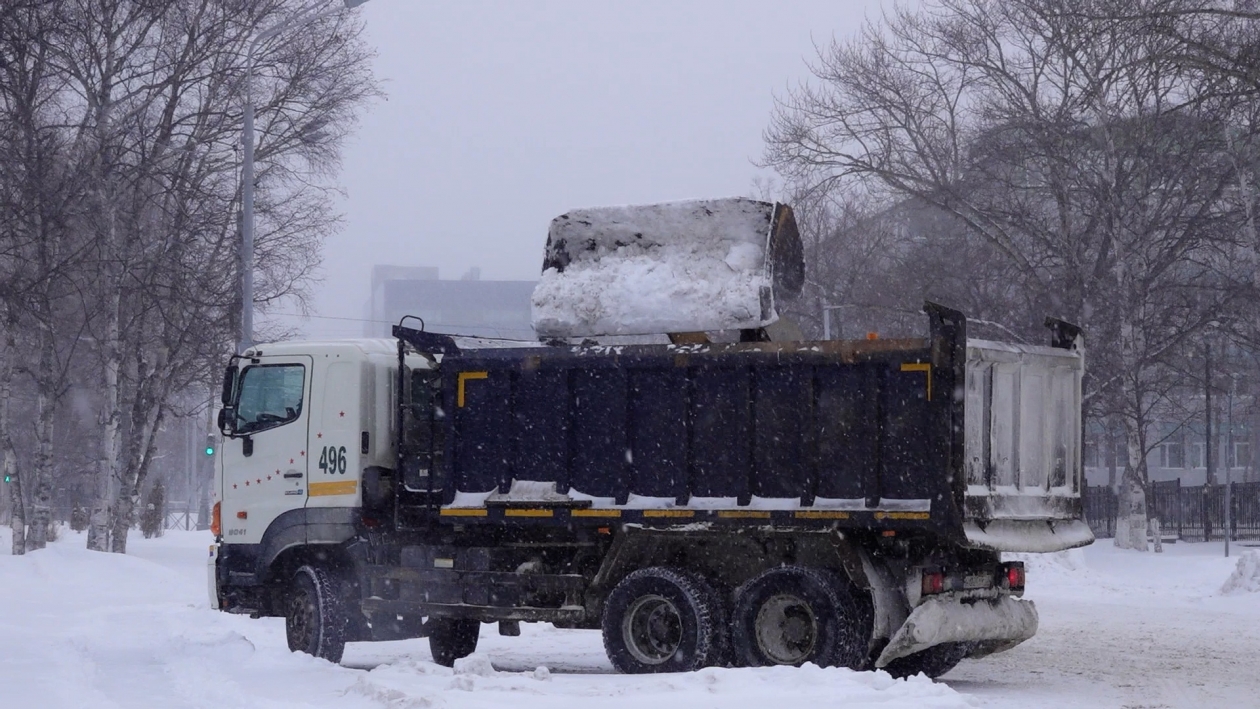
(1127,629)
(1118,629)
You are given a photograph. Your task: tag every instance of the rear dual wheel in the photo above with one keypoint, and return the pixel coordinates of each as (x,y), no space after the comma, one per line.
(791,615)
(933,662)
(663,620)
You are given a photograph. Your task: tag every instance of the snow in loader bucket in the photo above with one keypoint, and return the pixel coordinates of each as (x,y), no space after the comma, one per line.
(702,265)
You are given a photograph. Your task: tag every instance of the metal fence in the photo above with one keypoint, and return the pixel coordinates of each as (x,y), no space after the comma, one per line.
(1194,513)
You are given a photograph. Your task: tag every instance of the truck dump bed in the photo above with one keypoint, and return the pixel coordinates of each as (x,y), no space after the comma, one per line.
(1023,445)
(813,433)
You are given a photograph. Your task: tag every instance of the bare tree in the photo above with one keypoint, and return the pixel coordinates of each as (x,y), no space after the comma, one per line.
(141,104)
(1093,166)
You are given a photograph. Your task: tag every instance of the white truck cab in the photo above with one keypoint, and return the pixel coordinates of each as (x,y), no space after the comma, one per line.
(309,418)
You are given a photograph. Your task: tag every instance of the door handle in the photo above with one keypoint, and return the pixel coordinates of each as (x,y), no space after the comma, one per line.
(293,475)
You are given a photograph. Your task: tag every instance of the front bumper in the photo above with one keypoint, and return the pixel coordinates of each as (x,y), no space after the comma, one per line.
(212,578)
(989,624)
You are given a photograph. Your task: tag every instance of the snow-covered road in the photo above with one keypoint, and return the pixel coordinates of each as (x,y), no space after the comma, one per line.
(1118,629)
(1126,629)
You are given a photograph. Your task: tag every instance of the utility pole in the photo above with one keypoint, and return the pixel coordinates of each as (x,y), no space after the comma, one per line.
(1229,471)
(1207,440)
(310,13)
(205,473)
(826,313)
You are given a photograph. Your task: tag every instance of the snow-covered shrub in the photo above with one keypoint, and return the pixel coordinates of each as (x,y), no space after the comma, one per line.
(154,512)
(1246,576)
(79,517)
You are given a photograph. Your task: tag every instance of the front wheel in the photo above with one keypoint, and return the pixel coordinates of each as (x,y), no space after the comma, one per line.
(315,618)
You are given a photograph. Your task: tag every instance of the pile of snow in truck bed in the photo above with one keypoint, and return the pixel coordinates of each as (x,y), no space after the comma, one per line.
(674,267)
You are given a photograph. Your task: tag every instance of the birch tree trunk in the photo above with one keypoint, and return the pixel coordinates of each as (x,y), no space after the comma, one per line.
(148,410)
(47,381)
(18,520)
(111,421)
(1131,518)
(133,478)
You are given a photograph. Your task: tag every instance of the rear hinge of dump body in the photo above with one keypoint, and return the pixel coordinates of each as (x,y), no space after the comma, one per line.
(430,342)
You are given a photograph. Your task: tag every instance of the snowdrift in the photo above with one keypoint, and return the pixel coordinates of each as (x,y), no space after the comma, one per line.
(474,683)
(103,630)
(702,265)
(108,630)
(1246,576)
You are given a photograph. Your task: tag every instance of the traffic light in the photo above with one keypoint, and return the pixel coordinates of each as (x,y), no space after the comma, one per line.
(210,445)
(8,478)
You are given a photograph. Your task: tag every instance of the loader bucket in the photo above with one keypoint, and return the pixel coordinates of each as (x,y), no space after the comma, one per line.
(702,265)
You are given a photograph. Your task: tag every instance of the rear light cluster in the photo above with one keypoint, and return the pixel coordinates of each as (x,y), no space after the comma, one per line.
(1013,576)
(1009,577)
(216,523)
(933,582)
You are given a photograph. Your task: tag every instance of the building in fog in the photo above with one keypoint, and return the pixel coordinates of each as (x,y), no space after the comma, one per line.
(468,306)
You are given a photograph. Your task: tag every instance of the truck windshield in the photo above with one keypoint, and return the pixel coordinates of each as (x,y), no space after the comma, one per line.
(270,396)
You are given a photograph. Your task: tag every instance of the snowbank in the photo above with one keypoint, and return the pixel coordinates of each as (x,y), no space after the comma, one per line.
(103,630)
(136,630)
(1246,576)
(107,630)
(475,684)
(673,267)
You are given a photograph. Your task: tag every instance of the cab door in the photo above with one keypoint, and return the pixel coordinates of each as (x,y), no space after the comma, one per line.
(339,437)
(265,459)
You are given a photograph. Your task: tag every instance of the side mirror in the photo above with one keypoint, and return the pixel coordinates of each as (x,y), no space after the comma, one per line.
(229,384)
(227,420)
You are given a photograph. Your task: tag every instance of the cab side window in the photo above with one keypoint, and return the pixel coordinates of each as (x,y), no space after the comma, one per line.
(270,396)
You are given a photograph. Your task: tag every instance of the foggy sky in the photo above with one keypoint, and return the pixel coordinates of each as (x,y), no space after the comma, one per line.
(503,115)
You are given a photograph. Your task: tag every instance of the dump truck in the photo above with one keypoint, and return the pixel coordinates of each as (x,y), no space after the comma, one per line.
(742,503)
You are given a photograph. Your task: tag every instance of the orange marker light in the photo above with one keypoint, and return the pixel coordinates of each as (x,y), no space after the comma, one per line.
(216,526)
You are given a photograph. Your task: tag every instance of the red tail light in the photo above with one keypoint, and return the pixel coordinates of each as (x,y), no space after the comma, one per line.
(933,582)
(1014,573)
(216,525)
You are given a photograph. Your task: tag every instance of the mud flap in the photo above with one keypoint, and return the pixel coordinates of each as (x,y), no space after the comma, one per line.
(990,625)
(702,265)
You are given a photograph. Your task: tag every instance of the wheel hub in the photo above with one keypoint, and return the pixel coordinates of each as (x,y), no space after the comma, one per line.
(786,629)
(300,621)
(652,629)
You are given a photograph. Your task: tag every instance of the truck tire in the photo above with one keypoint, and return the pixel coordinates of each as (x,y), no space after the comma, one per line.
(933,662)
(791,615)
(314,617)
(663,620)
(452,638)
